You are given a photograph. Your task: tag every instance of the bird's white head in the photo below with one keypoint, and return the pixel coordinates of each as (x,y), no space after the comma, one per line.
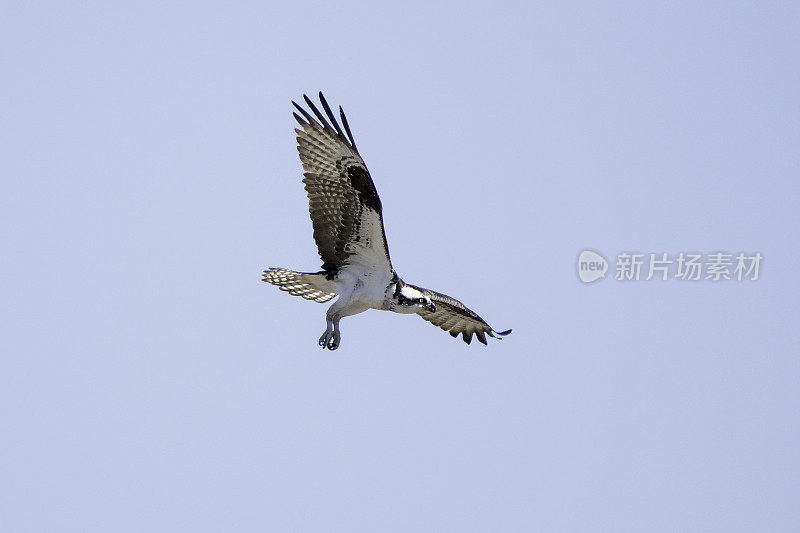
(410,300)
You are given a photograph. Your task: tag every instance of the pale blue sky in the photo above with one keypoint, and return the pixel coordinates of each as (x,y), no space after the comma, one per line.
(149,381)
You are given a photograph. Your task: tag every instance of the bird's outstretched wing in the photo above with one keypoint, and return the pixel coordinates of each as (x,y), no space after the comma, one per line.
(345,209)
(454,317)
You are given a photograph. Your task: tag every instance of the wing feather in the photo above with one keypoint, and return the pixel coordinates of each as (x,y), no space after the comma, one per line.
(345,209)
(456,318)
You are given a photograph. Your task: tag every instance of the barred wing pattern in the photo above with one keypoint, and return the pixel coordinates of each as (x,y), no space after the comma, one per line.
(454,317)
(298,284)
(345,209)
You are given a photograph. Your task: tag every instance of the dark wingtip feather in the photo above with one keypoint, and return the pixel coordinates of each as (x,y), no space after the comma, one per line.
(467,338)
(321,119)
(331,116)
(481,337)
(503,333)
(347,128)
(453,333)
(303,112)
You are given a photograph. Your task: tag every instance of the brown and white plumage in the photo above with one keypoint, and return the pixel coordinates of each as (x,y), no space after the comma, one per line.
(308,286)
(456,318)
(347,217)
(345,209)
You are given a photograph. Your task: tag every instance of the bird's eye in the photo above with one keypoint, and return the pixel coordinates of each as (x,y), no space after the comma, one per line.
(422,300)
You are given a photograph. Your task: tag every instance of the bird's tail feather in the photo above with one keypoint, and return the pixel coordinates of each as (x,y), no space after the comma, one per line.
(315,287)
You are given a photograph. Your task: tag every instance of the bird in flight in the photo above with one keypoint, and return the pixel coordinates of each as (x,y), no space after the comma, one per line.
(347,217)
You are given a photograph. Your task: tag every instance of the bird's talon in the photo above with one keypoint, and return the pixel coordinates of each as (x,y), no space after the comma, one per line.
(323,341)
(333,343)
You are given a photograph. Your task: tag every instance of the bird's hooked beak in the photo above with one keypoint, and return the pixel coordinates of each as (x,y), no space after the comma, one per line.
(429,306)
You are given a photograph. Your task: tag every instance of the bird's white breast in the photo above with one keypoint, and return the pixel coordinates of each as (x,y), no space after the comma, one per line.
(368,286)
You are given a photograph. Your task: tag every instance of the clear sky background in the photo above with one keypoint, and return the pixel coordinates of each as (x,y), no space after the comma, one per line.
(149,381)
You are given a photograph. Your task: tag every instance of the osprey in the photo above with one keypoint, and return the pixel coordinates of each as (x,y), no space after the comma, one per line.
(348,228)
